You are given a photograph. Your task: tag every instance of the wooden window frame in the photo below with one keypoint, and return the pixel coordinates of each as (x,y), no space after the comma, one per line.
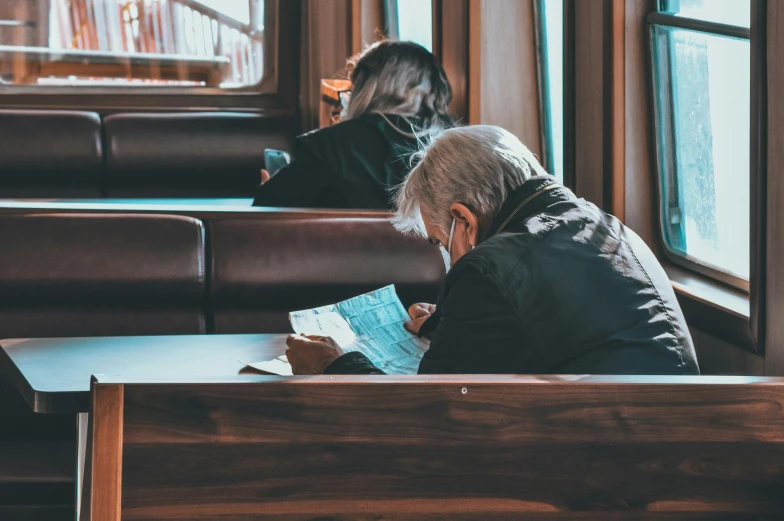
(713,301)
(738,317)
(276,95)
(655,20)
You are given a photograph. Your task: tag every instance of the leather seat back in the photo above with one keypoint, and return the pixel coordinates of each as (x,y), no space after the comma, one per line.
(261,269)
(101,275)
(47,154)
(189,155)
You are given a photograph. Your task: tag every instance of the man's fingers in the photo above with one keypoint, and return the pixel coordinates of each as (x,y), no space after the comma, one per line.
(421,309)
(297,341)
(316,338)
(410,326)
(413,325)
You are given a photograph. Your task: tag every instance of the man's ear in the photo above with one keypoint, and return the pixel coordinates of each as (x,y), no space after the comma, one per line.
(465,217)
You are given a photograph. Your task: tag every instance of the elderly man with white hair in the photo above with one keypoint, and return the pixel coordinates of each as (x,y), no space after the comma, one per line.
(541,282)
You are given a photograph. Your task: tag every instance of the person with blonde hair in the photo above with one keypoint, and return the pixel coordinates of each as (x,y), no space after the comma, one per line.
(541,282)
(399,96)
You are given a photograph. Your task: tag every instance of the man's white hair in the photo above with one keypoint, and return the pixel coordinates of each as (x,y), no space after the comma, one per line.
(477,166)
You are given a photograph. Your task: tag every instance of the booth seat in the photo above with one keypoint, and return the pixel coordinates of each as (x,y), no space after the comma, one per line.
(98,273)
(50,154)
(79,155)
(146,273)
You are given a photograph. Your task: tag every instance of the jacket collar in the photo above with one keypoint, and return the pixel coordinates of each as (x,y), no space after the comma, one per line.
(529,199)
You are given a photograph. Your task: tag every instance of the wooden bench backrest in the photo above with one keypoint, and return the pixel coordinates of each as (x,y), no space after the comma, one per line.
(444,448)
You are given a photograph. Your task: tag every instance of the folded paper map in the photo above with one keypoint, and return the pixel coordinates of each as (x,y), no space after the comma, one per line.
(371,324)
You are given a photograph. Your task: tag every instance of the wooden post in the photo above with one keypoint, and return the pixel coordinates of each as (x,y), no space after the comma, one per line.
(103,476)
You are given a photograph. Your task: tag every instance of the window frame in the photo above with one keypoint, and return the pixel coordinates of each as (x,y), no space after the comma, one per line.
(664,135)
(276,94)
(736,316)
(545,101)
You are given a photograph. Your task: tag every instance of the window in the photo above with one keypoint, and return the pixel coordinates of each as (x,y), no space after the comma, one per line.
(411,20)
(550,43)
(164,43)
(702,99)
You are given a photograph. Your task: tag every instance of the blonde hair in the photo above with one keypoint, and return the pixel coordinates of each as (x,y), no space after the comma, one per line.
(477,166)
(401,78)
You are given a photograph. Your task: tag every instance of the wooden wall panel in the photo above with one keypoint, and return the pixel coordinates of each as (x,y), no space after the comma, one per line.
(617,109)
(641,193)
(774,277)
(591,161)
(326,44)
(104,472)
(450,44)
(367,23)
(462,448)
(719,357)
(503,84)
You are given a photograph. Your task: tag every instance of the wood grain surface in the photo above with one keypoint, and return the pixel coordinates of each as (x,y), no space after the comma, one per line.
(505,448)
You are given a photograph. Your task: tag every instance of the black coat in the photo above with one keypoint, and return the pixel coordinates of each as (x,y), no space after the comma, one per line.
(353,164)
(558,287)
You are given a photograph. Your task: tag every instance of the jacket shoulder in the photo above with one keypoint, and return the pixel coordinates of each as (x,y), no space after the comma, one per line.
(505,252)
(352,129)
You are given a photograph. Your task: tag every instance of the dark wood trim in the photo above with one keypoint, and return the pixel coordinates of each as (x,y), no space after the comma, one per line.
(592,101)
(758,171)
(288,54)
(451,46)
(617,108)
(595,102)
(327,43)
(773,279)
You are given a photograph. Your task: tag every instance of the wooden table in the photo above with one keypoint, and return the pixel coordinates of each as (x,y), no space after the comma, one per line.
(53,374)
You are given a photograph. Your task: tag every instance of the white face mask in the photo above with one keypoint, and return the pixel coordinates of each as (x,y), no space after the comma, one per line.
(451,234)
(446,253)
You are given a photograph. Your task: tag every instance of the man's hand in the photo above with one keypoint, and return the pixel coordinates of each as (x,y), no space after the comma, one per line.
(311,354)
(419,313)
(265,176)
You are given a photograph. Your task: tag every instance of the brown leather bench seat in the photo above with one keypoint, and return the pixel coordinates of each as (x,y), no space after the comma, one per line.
(98,273)
(189,155)
(117,274)
(79,155)
(306,262)
(50,154)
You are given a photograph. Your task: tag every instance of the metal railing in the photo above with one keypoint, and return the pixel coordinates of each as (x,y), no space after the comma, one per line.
(143,28)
